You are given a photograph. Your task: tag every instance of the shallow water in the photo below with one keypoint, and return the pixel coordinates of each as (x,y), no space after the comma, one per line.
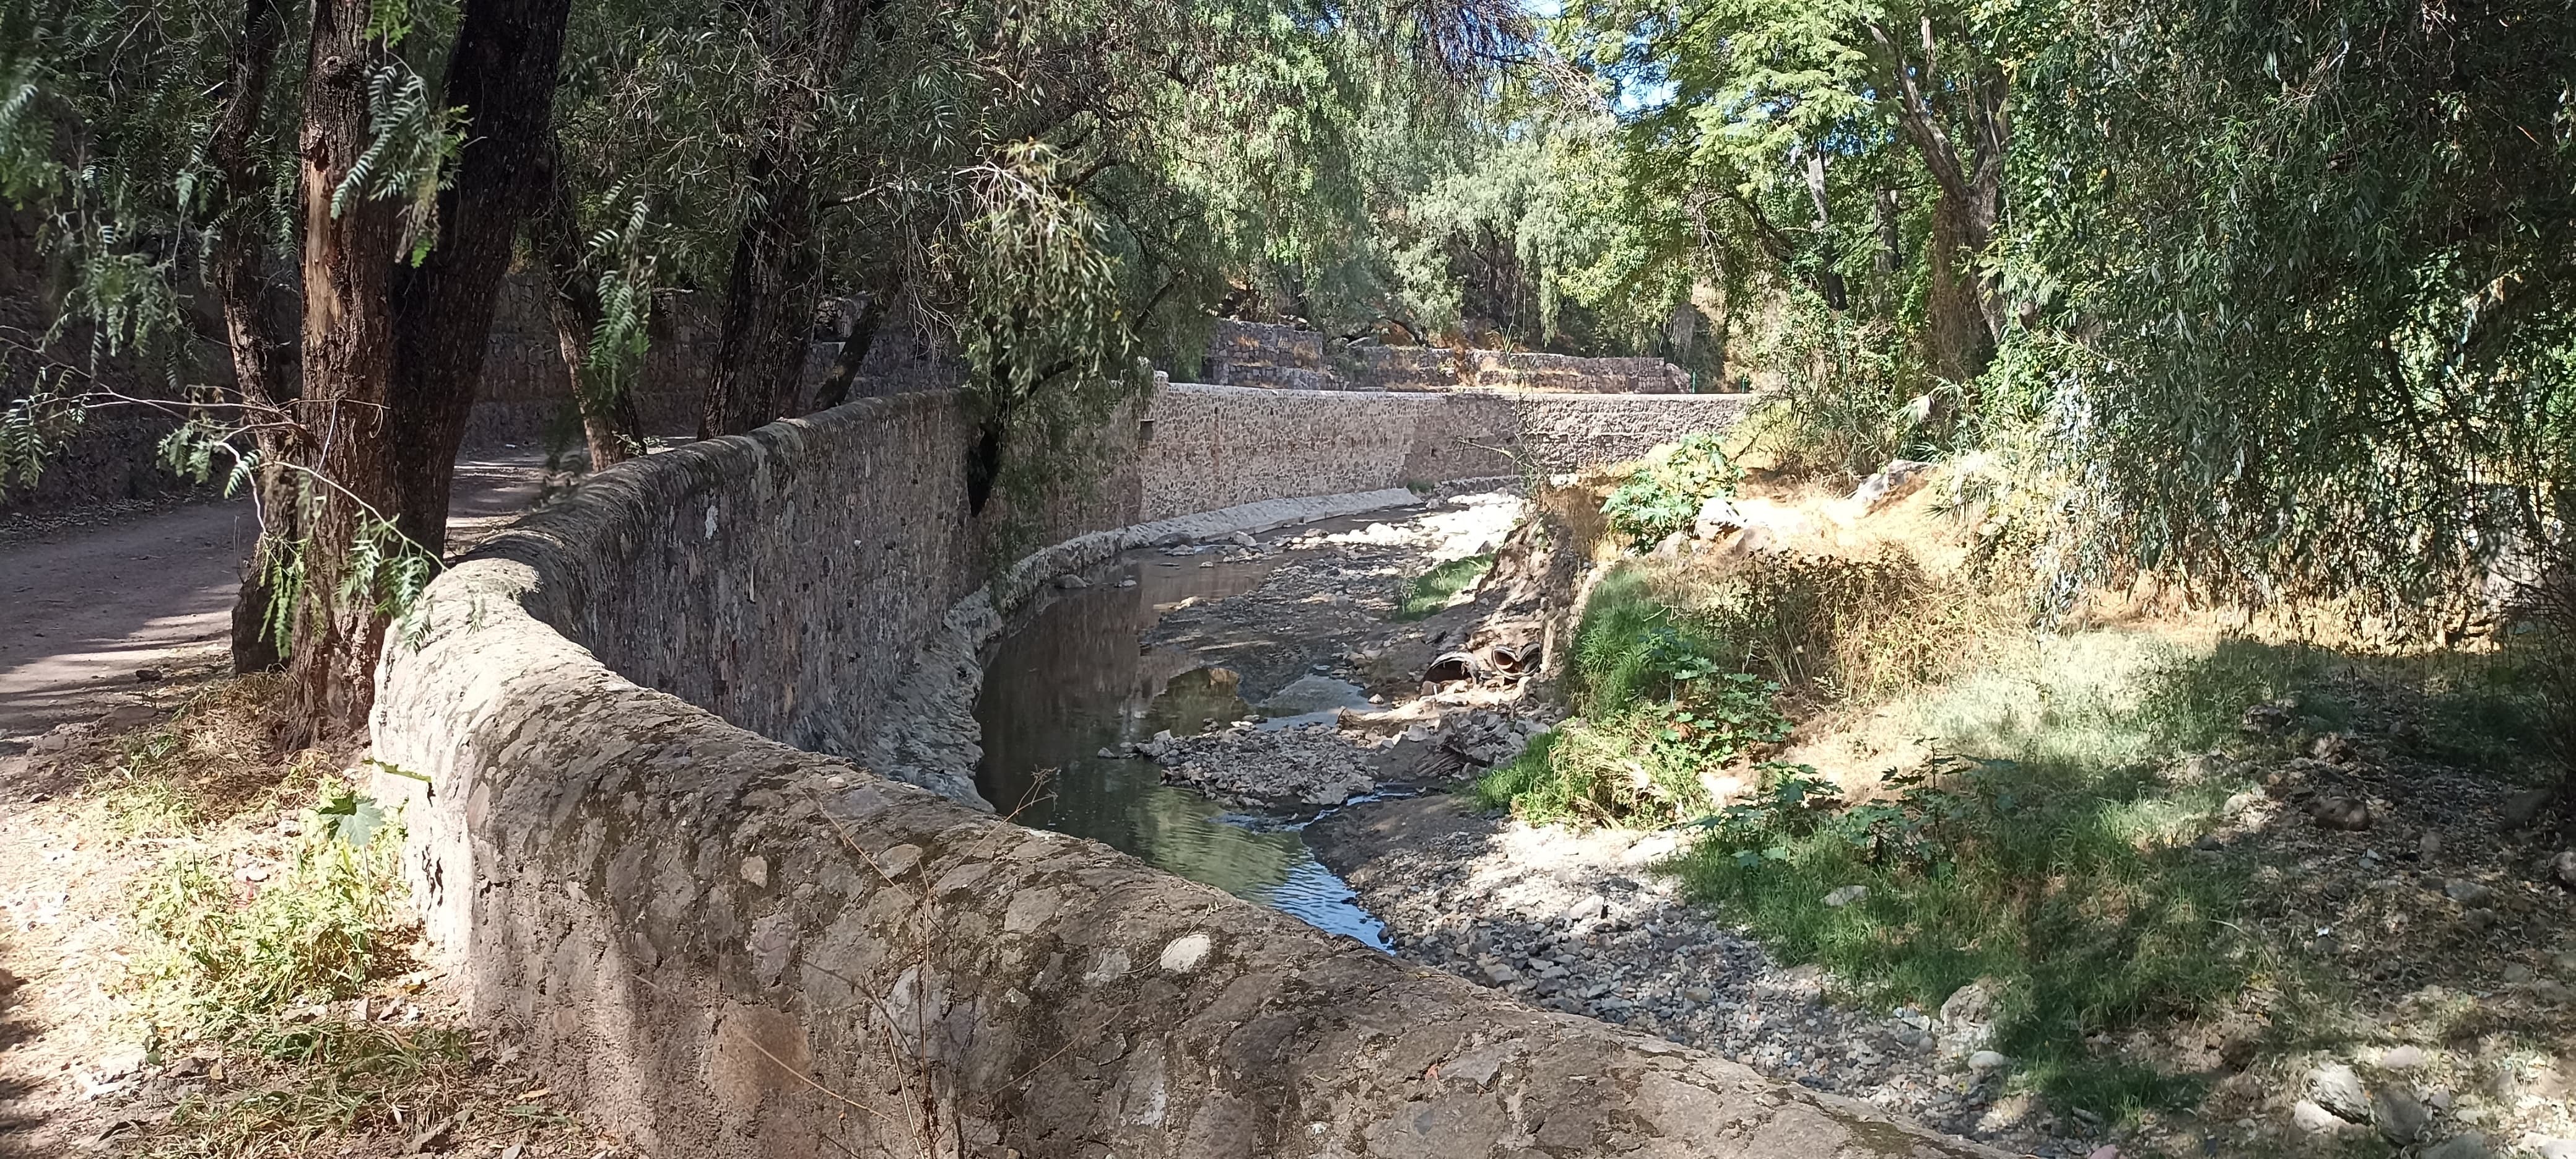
(1071,678)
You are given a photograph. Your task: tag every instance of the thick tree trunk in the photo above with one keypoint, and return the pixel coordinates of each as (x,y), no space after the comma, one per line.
(1964,306)
(237,271)
(347,364)
(502,72)
(769,298)
(610,428)
(1959,342)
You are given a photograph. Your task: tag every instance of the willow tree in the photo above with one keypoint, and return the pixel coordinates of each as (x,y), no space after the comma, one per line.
(179,151)
(2309,282)
(1044,191)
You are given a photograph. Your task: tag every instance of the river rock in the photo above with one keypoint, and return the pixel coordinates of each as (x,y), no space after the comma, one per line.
(2468,893)
(2522,808)
(2400,1115)
(2349,814)
(2563,868)
(2334,1087)
(1988,1061)
(2467,1145)
(2401,1058)
(2307,1116)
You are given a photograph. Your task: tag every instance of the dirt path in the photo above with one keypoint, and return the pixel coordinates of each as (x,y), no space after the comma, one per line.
(82,609)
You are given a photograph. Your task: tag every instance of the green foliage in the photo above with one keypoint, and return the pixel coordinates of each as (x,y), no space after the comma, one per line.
(2308,317)
(1663,495)
(1658,712)
(1438,588)
(215,963)
(410,142)
(2032,878)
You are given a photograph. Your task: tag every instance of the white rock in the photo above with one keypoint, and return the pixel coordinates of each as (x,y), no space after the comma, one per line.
(1187,952)
(2337,1089)
(1988,1061)
(1846,896)
(2316,1120)
(1587,909)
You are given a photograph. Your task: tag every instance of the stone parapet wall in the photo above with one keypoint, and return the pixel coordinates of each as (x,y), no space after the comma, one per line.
(1272,357)
(721,946)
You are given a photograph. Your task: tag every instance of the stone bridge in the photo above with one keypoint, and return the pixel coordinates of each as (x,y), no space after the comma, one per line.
(614,729)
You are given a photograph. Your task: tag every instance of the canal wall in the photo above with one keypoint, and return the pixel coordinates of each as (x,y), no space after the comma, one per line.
(601,727)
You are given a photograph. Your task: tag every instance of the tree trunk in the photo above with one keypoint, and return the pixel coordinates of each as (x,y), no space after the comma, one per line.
(1829,279)
(348,349)
(237,271)
(862,338)
(1964,306)
(769,297)
(610,427)
(1958,341)
(502,71)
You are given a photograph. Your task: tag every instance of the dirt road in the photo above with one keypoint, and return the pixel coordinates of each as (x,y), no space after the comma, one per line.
(82,609)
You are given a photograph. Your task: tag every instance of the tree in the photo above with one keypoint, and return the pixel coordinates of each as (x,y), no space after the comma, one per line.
(2308,283)
(144,140)
(1801,110)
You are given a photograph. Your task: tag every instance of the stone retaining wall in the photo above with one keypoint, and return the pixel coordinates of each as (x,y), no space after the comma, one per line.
(1272,357)
(719,945)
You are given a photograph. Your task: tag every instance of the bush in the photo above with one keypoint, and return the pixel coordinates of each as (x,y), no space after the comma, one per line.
(1668,487)
(1658,712)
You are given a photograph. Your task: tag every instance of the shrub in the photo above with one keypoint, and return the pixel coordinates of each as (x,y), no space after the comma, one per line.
(1658,711)
(1668,487)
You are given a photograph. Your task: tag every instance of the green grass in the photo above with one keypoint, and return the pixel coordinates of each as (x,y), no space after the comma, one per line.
(2048,852)
(1433,590)
(216,965)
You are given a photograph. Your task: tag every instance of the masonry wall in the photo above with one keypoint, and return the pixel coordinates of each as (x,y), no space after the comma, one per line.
(720,945)
(1272,357)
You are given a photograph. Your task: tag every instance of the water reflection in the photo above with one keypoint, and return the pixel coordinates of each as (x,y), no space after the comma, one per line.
(1071,680)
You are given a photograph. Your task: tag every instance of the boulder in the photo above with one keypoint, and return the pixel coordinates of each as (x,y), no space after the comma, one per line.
(2336,1088)
(1896,480)
(1717,516)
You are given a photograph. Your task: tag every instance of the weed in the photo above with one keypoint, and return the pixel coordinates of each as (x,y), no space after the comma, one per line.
(1664,495)
(2055,861)
(1438,588)
(1659,712)
(216,960)
(211,761)
(327,1077)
